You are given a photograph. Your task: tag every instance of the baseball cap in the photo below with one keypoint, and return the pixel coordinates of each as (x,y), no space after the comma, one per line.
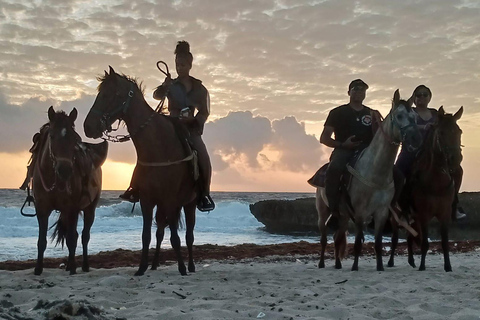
(357,82)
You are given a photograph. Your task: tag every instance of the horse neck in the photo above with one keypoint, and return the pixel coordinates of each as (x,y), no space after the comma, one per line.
(378,158)
(153,135)
(431,160)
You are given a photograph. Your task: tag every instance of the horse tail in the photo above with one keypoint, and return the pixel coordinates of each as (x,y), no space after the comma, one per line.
(59,233)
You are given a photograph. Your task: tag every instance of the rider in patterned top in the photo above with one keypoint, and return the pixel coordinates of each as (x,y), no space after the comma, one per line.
(421,96)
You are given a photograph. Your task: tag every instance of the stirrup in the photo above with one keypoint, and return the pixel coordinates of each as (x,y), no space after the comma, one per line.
(130,195)
(206,204)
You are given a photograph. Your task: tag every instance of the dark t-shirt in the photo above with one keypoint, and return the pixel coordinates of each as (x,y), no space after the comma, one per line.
(347,122)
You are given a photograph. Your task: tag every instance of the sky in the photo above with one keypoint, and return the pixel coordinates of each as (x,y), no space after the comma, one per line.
(274,69)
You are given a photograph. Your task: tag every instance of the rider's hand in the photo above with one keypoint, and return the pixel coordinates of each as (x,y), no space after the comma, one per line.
(168,81)
(351,143)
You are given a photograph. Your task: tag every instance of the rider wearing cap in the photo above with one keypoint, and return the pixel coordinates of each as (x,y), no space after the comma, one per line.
(351,124)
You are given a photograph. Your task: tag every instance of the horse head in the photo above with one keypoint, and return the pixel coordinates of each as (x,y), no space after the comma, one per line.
(449,137)
(404,124)
(62,142)
(115,93)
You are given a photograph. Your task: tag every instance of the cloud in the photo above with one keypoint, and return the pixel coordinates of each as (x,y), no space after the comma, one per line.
(261,144)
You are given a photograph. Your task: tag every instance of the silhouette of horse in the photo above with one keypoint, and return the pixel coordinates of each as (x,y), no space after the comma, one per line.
(164,170)
(66,177)
(371,188)
(432,186)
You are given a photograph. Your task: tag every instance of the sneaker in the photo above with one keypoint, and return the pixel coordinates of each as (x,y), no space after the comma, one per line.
(130,195)
(206,204)
(460,214)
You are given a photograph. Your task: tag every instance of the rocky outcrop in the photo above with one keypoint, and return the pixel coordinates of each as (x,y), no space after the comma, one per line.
(284,216)
(288,216)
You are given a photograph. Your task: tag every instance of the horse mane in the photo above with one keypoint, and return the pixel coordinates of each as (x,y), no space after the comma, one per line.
(104,79)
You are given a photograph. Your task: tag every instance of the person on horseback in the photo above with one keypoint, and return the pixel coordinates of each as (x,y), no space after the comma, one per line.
(352,126)
(421,97)
(186,95)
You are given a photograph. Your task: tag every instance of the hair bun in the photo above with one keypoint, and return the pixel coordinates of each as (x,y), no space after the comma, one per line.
(182,47)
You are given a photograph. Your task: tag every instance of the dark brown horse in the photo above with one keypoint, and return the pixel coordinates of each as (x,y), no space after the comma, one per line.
(163,173)
(433,186)
(66,178)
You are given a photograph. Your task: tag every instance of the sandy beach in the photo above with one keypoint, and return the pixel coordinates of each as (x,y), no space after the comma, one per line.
(268,287)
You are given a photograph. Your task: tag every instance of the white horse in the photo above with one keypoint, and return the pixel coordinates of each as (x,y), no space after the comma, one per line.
(371,189)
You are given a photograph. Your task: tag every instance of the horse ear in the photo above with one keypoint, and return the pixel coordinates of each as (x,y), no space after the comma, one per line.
(441,111)
(112,72)
(106,73)
(51,113)
(458,114)
(396,98)
(73,115)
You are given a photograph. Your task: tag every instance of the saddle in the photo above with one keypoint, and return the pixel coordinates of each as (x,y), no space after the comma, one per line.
(318,179)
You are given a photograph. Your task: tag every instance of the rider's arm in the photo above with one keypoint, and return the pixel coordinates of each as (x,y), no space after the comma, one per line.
(162,90)
(326,138)
(203,110)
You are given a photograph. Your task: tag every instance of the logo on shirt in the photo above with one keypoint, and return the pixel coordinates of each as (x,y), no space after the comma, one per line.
(367,120)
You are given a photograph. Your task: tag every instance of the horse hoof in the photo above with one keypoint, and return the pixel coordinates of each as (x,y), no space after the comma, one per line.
(191,268)
(72,272)
(153,268)
(380,269)
(321,265)
(338,266)
(422,268)
(354,268)
(448,269)
(38,271)
(86,269)
(390,264)
(183,271)
(139,273)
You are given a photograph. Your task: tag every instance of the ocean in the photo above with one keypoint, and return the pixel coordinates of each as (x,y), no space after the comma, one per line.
(115,226)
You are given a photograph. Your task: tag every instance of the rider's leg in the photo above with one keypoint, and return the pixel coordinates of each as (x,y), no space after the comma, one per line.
(132,193)
(205,166)
(336,167)
(457,177)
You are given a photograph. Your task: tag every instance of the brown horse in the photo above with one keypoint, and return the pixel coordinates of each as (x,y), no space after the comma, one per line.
(163,173)
(371,188)
(433,186)
(66,177)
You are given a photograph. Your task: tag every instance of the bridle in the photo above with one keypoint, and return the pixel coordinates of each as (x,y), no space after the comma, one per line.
(116,114)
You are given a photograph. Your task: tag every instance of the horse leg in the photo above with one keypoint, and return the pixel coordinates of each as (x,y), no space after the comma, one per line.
(175,242)
(380,219)
(71,239)
(394,224)
(42,218)
(357,247)
(189,237)
(88,218)
(159,235)
(446,256)
(147,213)
(411,259)
(322,212)
(340,241)
(425,245)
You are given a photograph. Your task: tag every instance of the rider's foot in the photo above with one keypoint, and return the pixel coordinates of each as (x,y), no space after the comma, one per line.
(460,214)
(131,195)
(206,204)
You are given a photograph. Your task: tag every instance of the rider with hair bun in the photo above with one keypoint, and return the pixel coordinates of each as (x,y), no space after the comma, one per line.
(189,100)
